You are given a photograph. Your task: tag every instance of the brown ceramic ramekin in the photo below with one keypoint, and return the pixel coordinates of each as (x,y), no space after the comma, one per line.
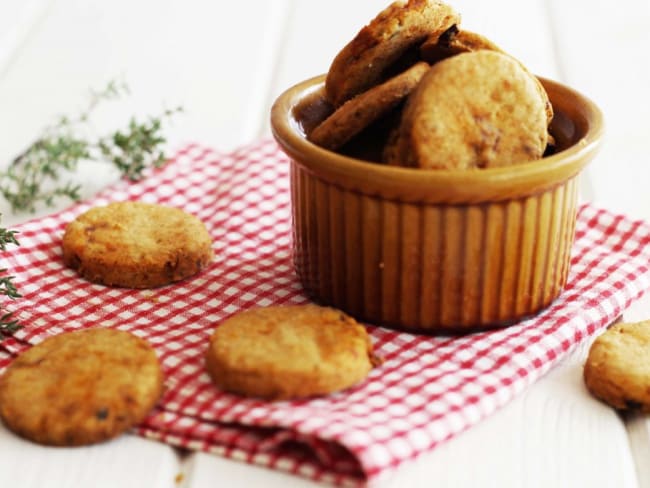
(434,250)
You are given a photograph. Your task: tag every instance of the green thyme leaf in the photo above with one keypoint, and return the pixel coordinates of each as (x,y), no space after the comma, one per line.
(8,325)
(34,176)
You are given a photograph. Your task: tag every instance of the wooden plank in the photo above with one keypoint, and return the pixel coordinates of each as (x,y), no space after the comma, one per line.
(602,51)
(214,61)
(17,20)
(638,430)
(519,28)
(207,471)
(128,462)
(606,58)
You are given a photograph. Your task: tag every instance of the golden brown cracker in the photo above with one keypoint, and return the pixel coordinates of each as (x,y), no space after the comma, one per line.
(136,245)
(361,111)
(478,109)
(456,41)
(285,352)
(363,62)
(617,369)
(80,387)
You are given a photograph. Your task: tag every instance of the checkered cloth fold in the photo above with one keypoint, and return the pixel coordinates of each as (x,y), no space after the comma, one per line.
(427,390)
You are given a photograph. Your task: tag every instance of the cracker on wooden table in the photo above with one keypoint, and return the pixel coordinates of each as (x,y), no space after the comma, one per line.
(617,369)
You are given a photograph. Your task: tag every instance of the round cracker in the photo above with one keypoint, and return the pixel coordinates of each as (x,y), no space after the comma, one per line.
(361,111)
(478,109)
(363,62)
(80,387)
(284,352)
(136,245)
(617,369)
(456,41)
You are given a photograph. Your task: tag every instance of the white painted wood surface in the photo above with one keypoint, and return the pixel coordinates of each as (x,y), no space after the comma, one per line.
(225,62)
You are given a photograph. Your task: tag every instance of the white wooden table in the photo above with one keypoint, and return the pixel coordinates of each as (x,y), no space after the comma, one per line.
(225,62)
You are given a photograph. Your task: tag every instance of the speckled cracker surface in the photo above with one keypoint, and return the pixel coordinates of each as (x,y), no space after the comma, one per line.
(80,387)
(286,352)
(136,245)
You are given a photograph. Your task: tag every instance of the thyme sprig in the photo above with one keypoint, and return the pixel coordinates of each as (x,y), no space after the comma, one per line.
(34,176)
(8,324)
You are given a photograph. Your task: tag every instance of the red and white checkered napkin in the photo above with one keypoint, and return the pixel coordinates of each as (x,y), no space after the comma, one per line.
(427,390)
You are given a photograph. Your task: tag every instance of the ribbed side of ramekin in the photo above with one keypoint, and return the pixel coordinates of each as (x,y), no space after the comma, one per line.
(431,266)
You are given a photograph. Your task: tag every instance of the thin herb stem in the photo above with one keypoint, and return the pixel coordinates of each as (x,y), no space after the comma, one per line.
(8,324)
(34,175)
